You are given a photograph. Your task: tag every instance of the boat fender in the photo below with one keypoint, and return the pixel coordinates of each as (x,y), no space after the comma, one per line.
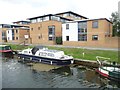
(51,62)
(40,60)
(72,61)
(30,58)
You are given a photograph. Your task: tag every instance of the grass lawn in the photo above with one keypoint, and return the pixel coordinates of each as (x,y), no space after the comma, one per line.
(19,47)
(78,52)
(89,54)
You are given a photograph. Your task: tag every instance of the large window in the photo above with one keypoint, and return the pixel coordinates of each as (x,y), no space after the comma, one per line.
(51,33)
(95,24)
(3,36)
(82,31)
(82,37)
(94,37)
(13,38)
(82,27)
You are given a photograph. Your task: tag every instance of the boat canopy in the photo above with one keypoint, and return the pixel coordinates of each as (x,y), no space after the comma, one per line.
(36,48)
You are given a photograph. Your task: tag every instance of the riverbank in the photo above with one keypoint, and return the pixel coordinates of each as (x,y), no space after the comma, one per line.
(79,53)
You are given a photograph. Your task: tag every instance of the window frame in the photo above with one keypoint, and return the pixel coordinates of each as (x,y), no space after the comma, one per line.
(95,39)
(95,24)
(67,38)
(51,31)
(67,26)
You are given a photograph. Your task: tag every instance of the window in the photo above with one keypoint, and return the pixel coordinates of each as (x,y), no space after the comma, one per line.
(67,38)
(82,27)
(13,38)
(94,37)
(54,18)
(95,24)
(50,38)
(67,26)
(16,31)
(82,31)
(3,36)
(31,28)
(33,21)
(38,28)
(39,37)
(16,38)
(51,32)
(82,37)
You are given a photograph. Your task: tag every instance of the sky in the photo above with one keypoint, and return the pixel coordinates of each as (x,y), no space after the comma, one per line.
(16,10)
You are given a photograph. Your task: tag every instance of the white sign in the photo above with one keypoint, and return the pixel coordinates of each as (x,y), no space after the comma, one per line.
(26,36)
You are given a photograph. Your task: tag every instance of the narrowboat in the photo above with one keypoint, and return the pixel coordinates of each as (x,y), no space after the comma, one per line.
(6,51)
(5,48)
(110,72)
(44,55)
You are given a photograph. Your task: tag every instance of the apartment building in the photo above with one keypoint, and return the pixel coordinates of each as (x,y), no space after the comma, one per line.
(89,33)
(74,29)
(14,33)
(3,35)
(44,29)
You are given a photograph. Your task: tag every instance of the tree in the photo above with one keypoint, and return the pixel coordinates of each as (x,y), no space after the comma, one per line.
(116,24)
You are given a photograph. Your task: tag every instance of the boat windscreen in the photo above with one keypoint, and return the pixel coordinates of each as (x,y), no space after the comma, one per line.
(34,50)
(5,48)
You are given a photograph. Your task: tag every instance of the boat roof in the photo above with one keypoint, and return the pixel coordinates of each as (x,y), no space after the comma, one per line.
(3,45)
(52,51)
(39,47)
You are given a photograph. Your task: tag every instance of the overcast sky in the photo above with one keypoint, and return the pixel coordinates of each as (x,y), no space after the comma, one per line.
(15,10)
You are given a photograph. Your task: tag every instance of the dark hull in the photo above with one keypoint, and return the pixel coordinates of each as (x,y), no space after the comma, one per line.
(7,54)
(45,60)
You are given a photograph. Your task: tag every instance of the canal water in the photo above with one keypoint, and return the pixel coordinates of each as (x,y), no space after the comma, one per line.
(20,75)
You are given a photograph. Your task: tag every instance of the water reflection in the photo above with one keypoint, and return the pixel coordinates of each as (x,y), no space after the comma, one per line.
(18,75)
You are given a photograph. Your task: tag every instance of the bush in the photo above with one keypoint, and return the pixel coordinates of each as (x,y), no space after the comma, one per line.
(58,40)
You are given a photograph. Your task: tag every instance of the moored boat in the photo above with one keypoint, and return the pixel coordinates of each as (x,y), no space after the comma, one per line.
(6,51)
(5,48)
(45,55)
(109,71)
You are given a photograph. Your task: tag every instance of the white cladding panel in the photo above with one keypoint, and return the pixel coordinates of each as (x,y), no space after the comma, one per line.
(9,34)
(72,32)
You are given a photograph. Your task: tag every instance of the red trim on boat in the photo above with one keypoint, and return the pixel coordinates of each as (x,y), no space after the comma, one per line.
(103,74)
(5,50)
